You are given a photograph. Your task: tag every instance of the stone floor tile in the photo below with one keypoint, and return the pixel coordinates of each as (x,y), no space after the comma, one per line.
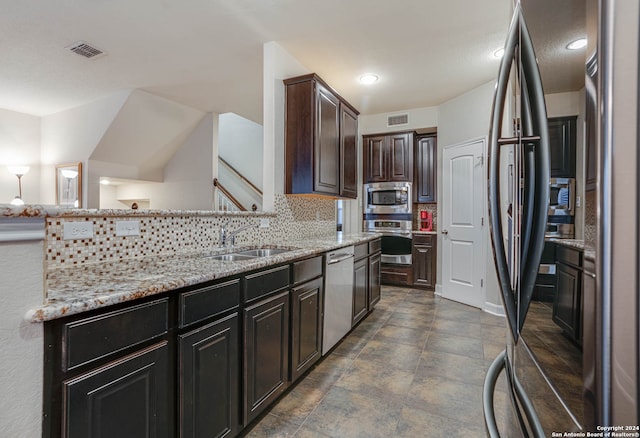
(344,413)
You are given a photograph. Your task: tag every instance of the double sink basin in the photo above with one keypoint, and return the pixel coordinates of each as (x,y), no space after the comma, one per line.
(249,254)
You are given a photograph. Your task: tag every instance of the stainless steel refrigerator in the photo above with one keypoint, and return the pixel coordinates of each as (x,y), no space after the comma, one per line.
(587,382)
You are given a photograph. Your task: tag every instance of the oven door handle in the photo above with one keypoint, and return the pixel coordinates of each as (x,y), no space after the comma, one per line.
(407,234)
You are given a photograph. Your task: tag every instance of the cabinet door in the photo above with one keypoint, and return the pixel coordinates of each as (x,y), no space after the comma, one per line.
(562,142)
(424,261)
(266,353)
(360,290)
(348,153)
(327,144)
(566,307)
(124,398)
(424,188)
(375,159)
(209,380)
(374,280)
(400,157)
(306,326)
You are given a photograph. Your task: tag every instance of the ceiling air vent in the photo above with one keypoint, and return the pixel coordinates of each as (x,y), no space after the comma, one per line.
(84,49)
(398,119)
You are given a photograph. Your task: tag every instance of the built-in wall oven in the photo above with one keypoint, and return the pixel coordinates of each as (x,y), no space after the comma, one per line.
(388,211)
(396,237)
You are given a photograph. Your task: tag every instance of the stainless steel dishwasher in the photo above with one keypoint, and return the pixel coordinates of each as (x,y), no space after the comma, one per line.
(338,296)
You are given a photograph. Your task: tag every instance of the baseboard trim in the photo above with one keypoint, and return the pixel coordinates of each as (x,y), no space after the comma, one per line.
(494,309)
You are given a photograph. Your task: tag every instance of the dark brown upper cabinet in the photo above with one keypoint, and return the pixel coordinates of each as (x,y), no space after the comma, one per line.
(388,157)
(562,142)
(424,187)
(320,139)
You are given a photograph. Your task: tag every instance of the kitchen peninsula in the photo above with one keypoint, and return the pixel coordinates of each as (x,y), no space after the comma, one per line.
(127,319)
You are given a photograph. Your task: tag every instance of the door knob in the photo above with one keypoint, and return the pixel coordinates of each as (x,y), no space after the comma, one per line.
(445,231)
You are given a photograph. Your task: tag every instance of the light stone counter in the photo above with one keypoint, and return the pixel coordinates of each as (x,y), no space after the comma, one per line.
(81,288)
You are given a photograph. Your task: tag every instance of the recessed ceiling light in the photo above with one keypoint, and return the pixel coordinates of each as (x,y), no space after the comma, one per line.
(369,79)
(104,182)
(498,53)
(577,44)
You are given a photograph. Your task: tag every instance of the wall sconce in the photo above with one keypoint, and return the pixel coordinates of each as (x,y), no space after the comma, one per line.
(18,171)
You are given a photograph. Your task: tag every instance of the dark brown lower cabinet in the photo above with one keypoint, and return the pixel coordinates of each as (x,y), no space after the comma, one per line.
(209,380)
(396,274)
(360,290)
(424,261)
(266,353)
(567,306)
(124,398)
(306,326)
(374,279)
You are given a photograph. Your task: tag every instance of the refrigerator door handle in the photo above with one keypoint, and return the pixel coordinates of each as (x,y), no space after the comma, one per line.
(534,136)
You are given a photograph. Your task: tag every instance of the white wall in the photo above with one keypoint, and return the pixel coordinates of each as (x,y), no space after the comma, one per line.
(187,177)
(464,118)
(240,143)
(278,64)
(22,357)
(71,136)
(419,118)
(19,145)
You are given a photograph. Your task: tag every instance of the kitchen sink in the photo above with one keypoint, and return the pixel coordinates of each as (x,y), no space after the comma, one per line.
(263,252)
(232,257)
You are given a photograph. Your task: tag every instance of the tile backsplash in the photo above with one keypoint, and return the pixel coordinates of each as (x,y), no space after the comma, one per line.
(295,218)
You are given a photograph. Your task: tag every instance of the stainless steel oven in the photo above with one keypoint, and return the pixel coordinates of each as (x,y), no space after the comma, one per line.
(396,236)
(387,198)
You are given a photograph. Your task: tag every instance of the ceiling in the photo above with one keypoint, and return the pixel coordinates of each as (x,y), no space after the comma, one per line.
(207,54)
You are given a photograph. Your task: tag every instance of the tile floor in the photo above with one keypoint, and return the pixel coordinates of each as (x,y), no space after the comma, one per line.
(413,368)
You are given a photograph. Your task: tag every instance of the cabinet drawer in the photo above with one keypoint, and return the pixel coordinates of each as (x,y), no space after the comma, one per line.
(423,239)
(375,246)
(360,251)
(93,338)
(307,269)
(569,256)
(265,282)
(200,304)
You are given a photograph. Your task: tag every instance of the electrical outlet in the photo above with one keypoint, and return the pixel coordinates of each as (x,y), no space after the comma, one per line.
(77,230)
(264,223)
(128,228)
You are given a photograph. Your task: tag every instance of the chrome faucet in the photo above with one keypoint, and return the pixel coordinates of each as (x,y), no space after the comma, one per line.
(229,237)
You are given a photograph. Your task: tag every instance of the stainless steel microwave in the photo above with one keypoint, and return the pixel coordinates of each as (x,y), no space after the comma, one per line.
(387,198)
(562,197)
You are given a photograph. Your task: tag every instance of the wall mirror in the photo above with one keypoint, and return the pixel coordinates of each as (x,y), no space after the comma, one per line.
(69,185)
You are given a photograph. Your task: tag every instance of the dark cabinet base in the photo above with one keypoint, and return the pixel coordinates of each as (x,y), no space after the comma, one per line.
(266,353)
(209,384)
(126,398)
(398,275)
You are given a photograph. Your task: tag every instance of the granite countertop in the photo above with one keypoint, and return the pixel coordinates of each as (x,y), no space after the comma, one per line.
(425,232)
(86,287)
(589,252)
(44,211)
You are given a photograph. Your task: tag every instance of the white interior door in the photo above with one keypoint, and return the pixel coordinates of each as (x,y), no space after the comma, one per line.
(463,205)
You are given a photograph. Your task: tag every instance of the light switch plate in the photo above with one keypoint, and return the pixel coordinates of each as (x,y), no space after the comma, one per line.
(77,230)
(264,223)
(128,228)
